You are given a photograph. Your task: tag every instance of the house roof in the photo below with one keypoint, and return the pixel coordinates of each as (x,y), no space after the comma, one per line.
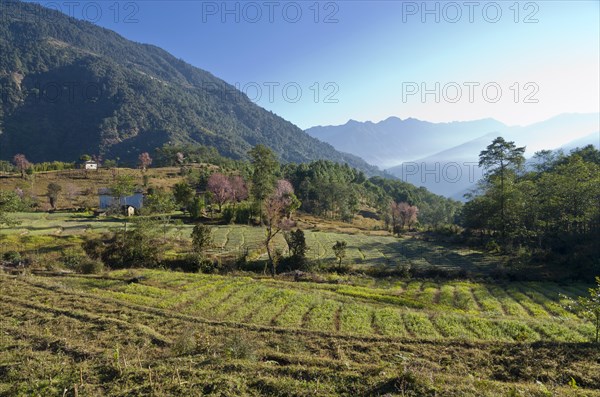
(105,191)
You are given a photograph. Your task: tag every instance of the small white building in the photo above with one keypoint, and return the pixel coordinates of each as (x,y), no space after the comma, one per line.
(107,200)
(129,211)
(90,165)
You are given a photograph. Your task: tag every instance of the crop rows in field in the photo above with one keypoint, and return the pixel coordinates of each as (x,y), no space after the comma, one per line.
(61,336)
(415,309)
(362,249)
(42,223)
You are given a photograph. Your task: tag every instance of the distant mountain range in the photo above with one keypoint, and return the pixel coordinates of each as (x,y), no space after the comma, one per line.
(68,87)
(443,157)
(394,141)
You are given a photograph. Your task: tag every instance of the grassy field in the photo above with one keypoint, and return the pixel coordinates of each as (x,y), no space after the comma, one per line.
(363,249)
(514,312)
(80,188)
(243,334)
(188,334)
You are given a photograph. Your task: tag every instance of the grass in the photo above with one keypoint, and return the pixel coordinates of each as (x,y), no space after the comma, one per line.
(353,308)
(364,251)
(196,334)
(192,334)
(350,308)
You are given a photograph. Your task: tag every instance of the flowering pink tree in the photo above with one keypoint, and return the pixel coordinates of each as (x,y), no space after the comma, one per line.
(409,215)
(278,210)
(22,164)
(284,188)
(284,191)
(220,186)
(239,190)
(144,161)
(403,214)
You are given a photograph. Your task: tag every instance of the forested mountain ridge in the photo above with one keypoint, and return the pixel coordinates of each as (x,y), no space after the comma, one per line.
(69,87)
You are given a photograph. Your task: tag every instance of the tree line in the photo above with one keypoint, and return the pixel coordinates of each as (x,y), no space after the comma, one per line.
(547,212)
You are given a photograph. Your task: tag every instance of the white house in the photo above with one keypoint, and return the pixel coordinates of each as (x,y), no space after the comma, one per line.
(90,165)
(129,211)
(107,200)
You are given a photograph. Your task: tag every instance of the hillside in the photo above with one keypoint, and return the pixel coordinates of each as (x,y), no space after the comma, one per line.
(69,87)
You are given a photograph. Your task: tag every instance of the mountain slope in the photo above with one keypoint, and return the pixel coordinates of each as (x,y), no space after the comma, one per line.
(592,139)
(68,87)
(394,141)
(452,172)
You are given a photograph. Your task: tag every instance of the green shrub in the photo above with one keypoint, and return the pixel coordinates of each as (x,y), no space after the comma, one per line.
(90,266)
(493,246)
(12,257)
(240,214)
(197,263)
(201,238)
(196,207)
(139,246)
(239,347)
(185,343)
(209,266)
(291,263)
(228,214)
(73,257)
(243,214)
(94,247)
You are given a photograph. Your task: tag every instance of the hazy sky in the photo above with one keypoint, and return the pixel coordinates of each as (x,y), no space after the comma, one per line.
(319,63)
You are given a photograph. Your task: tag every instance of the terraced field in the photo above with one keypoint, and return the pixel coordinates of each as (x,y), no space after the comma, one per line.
(183,334)
(65,224)
(191,334)
(363,250)
(422,310)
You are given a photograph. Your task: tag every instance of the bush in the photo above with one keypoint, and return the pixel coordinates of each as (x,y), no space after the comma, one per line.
(240,215)
(137,247)
(72,258)
(239,347)
(339,269)
(228,214)
(195,263)
(31,261)
(185,343)
(493,246)
(12,257)
(294,262)
(196,207)
(403,271)
(208,266)
(201,238)
(94,247)
(90,266)
(291,263)
(243,214)
(242,258)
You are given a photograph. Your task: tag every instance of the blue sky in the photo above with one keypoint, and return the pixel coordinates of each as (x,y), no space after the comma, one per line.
(371,60)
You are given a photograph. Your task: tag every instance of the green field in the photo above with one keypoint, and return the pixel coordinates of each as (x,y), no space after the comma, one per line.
(244,334)
(190,334)
(363,250)
(414,309)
